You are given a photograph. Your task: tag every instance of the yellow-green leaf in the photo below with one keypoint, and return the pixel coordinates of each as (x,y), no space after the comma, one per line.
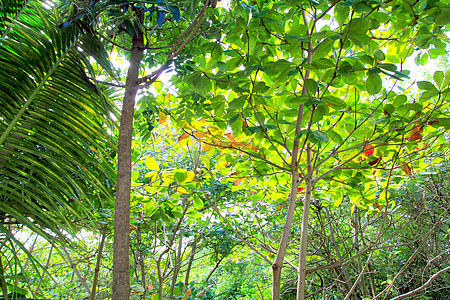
(151,163)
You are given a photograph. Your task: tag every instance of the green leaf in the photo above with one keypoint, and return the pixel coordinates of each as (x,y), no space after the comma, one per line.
(198,203)
(222,66)
(311,86)
(323,49)
(151,163)
(180,176)
(150,208)
(194,214)
(438,77)
(341,14)
(426,85)
(356,31)
(334,102)
(315,137)
(379,55)
(134,176)
(374,84)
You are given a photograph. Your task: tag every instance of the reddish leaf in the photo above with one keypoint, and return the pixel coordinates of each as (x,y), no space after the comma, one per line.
(188,293)
(198,134)
(279,207)
(300,189)
(416,137)
(415,133)
(407,169)
(183,136)
(368,150)
(230,136)
(374,162)
(237,182)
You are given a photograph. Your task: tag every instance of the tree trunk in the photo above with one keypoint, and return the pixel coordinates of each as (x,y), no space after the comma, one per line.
(191,260)
(97,265)
(278,264)
(121,276)
(301,286)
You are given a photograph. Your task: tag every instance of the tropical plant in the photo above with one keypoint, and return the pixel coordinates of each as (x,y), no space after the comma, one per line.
(55,147)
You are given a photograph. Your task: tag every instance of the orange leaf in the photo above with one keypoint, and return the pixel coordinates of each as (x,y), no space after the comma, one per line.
(132,227)
(378,206)
(230,136)
(279,207)
(368,150)
(198,134)
(416,137)
(150,286)
(407,169)
(415,133)
(183,136)
(237,182)
(188,293)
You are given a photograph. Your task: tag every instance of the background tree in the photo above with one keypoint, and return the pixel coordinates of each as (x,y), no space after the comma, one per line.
(316,86)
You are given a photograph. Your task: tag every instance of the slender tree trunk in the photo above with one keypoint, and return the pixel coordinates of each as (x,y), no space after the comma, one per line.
(97,266)
(191,260)
(301,286)
(121,260)
(278,263)
(176,267)
(357,222)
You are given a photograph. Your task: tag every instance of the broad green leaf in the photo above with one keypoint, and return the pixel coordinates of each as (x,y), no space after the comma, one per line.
(134,176)
(379,55)
(426,85)
(151,163)
(150,208)
(315,137)
(194,214)
(341,14)
(198,203)
(374,84)
(334,102)
(438,77)
(180,176)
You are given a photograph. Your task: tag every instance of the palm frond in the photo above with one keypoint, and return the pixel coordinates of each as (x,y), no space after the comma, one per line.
(54,147)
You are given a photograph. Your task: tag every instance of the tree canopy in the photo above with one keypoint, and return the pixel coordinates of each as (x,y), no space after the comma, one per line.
(292,131)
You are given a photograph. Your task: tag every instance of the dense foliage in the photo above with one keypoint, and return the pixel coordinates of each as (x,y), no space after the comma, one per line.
(293,154)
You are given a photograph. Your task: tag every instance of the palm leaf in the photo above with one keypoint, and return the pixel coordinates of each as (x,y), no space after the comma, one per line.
(54,147)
